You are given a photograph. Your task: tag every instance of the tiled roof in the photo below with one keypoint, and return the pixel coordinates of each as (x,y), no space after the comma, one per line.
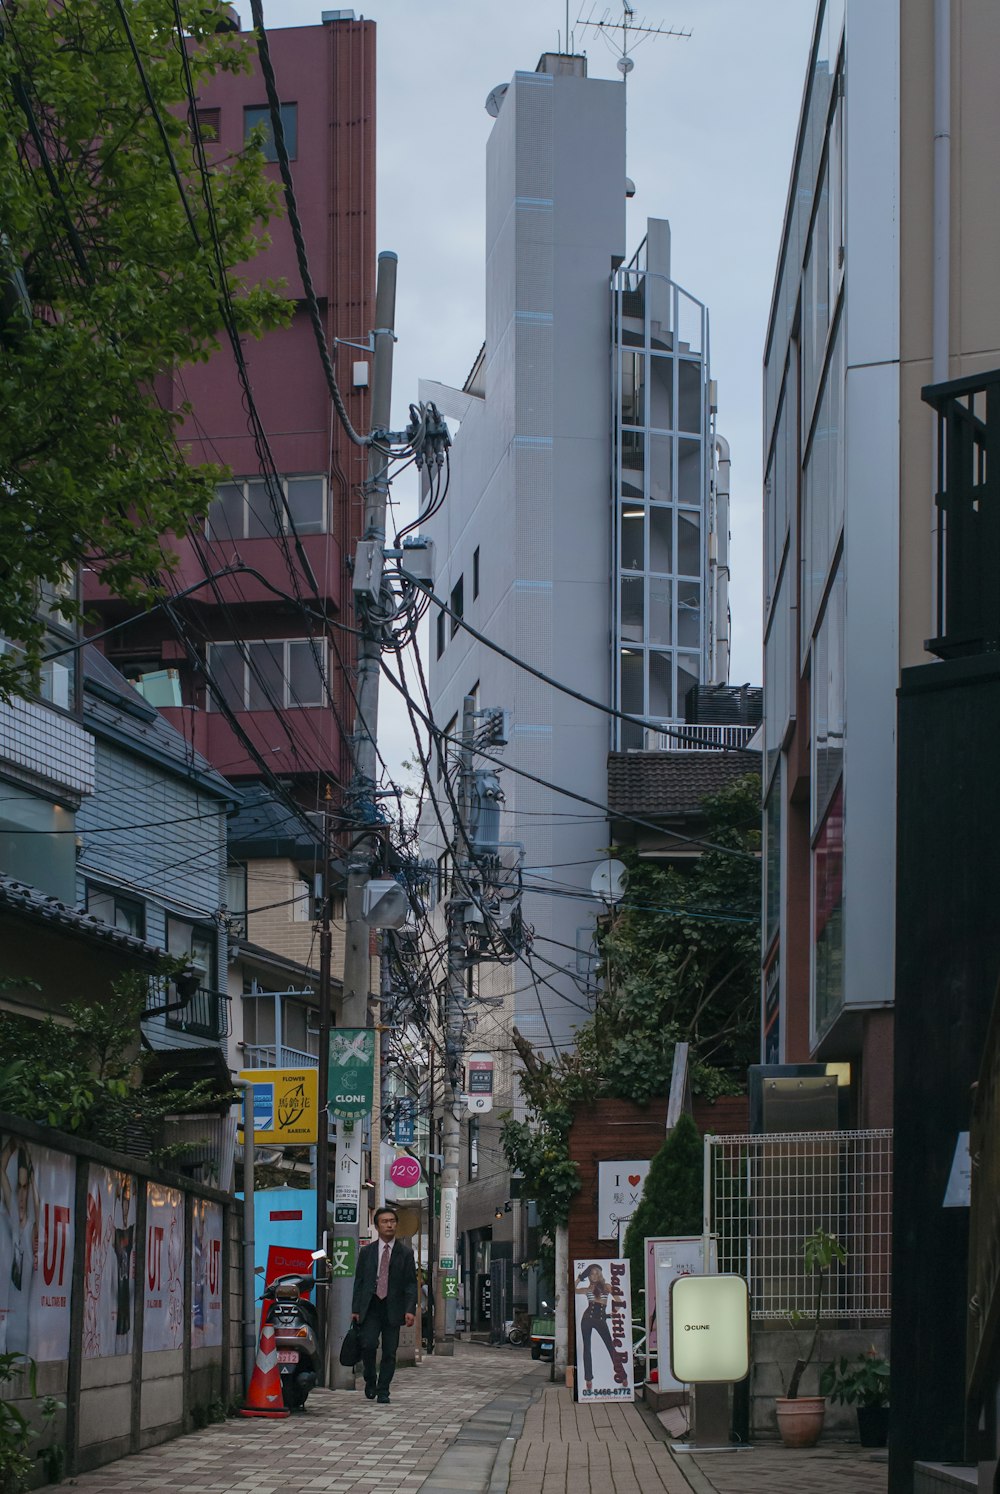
(31,903)
(670,784)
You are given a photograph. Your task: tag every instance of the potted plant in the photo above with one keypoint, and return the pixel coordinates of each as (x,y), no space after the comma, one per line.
(800,1417)
(862,1382)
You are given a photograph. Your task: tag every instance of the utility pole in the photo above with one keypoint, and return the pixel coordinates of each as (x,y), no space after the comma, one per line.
(367,589)
(323,1080)
(458,959)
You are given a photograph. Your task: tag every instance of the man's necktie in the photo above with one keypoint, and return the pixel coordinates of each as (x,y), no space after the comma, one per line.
(382,1285)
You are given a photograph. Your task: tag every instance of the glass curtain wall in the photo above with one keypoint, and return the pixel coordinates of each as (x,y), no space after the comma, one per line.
(662,450)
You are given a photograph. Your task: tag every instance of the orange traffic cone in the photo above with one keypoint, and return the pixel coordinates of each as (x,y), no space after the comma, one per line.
(264,1395)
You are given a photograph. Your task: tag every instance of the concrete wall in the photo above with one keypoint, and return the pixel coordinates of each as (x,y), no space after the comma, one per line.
(773,1352)
(119,1403)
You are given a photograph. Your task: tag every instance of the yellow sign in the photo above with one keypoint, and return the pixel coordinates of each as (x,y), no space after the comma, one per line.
(285,1106)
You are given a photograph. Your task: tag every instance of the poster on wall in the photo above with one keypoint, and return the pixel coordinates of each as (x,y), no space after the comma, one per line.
(603,1298)
(619,1189)
(206,1274)
(109,1263)
(163,1320)
(36,1249)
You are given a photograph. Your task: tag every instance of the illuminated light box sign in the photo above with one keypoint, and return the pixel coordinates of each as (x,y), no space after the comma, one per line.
(709,1329)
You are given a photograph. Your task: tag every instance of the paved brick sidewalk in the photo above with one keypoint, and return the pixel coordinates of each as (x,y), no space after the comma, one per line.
(766,1469)
(567,1448)
(460,1408)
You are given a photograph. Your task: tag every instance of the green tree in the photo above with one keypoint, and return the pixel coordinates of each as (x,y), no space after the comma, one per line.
(112,272)
(671,1202)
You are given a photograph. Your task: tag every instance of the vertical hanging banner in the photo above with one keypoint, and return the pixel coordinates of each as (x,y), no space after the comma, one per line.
(163,1319)
(352,1072)
(206,1274)
(479,1083)
(36,1249)
(347,1182)
(603,1298)
(447,1261)
(109,1263)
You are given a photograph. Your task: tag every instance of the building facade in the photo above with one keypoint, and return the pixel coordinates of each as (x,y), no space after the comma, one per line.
(575,535)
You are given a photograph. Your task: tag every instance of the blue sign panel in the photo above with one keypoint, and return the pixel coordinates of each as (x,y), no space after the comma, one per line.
(405,1122)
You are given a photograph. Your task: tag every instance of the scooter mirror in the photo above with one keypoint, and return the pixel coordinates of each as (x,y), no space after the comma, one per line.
(318,1255)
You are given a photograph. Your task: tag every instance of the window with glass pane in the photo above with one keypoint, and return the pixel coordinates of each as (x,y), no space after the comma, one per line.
(660,611)
(302,906)
(236,899)
(661,697)
(263,508)
(633,457)
(828,699)
(661,539)
(688,395)
(632,602)
(661,473)
(688,543)
(265,676)
(828,914)
(661,393)
(633,548)
(123,913)
(306,504)
(258,1020)
(226,512)
(293,1020)
(195,945)
(689,471)
(228,675)
(772,860)
(632,694)
(633,388)
(306,673)
(689,614)
(261,115)
(688,675)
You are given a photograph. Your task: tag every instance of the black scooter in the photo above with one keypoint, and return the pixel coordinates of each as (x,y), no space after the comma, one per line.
(296,1336)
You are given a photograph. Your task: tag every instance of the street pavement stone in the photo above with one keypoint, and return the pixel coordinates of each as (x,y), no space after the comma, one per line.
(437,1420)
(567,1448)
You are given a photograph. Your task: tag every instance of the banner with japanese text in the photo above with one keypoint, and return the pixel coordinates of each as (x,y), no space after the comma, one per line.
(352,1072)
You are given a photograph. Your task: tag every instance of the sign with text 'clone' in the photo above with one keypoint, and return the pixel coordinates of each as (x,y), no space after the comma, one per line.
(352,1072)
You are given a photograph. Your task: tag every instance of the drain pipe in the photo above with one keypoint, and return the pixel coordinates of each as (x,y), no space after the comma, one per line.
(718,566)
(941,255)
(249,1274)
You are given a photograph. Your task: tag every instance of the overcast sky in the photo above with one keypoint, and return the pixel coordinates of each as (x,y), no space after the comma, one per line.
(711,128)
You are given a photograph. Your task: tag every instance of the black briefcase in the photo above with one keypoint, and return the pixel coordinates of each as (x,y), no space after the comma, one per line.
(350,1349)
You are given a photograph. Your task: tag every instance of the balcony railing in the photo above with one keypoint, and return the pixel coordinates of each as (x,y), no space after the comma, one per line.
(205,1014)
(968,503)
(983,1333)
(268,1056)
(708,738)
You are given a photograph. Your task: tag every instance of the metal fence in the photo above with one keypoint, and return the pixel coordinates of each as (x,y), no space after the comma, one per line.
(764,1195)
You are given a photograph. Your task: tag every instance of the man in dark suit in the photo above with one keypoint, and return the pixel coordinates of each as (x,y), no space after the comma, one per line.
(385,1297)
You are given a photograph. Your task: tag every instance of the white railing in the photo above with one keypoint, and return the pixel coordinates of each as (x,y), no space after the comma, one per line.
(766,1194)
(264,1056)
(698,738)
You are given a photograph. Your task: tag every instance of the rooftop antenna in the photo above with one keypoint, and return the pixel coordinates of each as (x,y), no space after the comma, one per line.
(633,33)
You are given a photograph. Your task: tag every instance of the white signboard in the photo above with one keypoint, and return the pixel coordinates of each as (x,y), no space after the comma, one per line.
(449,1228)
(109,1263)
(479,1083)
(683,1255)
(163,1317)
(36,1249)
(603,1331)
(709,1329)
(347,1185)
(619,1189)
(206,1274)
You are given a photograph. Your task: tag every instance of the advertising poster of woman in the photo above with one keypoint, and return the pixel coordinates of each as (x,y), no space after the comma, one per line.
(603,1331)
(206,1274)
(163,1321)
(36,1249)
(109,1264)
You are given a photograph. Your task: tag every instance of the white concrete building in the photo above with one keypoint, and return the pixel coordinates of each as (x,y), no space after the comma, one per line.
(577,534)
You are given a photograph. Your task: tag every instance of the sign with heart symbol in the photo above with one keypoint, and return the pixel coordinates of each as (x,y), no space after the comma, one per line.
(619,1189)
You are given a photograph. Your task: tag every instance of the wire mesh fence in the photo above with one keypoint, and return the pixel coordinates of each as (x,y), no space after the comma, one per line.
(767,1194)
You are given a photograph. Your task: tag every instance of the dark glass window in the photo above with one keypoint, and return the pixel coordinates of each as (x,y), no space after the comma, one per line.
(475,573)
(457,603)
(441,633)
(124,913)
(261,115)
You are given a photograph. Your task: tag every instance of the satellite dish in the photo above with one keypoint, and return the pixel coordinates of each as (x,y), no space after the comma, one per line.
(608,881)
(624,66)
(495,99)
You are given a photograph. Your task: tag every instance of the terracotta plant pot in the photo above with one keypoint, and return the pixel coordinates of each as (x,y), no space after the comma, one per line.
(800,1421)
(873,1426)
